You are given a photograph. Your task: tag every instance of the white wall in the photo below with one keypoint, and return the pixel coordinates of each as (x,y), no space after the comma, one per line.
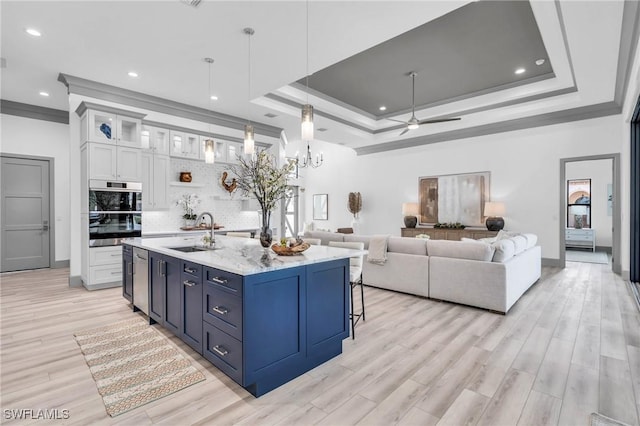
(25,136)
(600,172)
(524,166)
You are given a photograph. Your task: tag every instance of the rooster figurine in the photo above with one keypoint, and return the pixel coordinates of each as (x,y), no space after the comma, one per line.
(229,187)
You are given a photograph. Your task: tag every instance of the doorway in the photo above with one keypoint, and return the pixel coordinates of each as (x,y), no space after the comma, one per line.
(25,213)
(590,216)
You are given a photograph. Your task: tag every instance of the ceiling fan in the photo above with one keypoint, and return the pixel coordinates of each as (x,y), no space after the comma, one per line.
(413,122)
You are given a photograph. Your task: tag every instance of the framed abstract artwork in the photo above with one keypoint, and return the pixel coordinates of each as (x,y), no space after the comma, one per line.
(454,198)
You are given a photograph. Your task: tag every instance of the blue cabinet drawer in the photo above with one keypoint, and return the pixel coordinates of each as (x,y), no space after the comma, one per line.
(224,280)
(223,351)
(223,310)
(192,269)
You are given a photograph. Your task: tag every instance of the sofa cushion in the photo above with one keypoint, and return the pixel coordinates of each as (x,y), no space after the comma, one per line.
(325,236)
(520,242)
(460,250)
(532,239)
(505,250)
(407,245)
(356,238)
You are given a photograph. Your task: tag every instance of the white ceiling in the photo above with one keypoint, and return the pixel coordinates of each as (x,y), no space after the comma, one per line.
(165,42)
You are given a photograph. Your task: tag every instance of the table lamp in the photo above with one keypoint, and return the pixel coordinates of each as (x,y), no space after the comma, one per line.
(410,211)
(494,211)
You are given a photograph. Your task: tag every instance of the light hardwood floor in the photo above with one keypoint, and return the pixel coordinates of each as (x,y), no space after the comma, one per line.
(569,347)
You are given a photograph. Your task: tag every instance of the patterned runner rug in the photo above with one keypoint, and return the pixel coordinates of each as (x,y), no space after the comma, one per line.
(598,419)
(133,364)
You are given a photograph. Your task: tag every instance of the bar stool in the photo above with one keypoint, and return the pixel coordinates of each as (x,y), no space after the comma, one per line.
(355,278)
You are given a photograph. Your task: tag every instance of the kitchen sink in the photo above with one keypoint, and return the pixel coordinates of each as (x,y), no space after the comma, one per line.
(189,249)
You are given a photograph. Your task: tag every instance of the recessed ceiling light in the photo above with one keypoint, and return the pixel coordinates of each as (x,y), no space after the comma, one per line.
(33,32)
(132,74)
(214,98)
(519,70)
(540,62)
(383,108)
(322,129)
(270,115)
(45,94)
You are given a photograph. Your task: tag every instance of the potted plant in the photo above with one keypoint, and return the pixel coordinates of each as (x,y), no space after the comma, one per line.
(189,202)
(259,176)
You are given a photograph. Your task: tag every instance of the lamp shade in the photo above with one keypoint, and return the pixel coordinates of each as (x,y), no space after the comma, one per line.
(410,209)
(494,208)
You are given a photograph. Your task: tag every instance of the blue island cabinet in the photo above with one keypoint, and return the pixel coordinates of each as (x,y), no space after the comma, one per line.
(265,329)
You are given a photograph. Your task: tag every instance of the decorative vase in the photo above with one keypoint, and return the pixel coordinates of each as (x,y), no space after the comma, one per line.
(265,237)
(355,225)
(189,223)
(265,231)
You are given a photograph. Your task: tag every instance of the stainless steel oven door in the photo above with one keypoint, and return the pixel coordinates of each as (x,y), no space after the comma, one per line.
(115,212)
(109,228)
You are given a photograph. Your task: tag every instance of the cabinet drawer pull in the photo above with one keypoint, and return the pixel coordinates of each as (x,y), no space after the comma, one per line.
(188,283)
(189,270)
(116,273)
(219,280)
(220,309)
(116,255)
(220,350)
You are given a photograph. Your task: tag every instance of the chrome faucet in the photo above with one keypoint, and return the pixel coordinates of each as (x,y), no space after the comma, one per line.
(201,217)
(210,241)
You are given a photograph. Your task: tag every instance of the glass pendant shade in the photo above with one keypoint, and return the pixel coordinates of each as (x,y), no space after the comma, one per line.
(249,141)
(307,123)
(209,151)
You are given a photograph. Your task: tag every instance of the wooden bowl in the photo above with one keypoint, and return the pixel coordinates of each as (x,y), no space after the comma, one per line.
(289,251)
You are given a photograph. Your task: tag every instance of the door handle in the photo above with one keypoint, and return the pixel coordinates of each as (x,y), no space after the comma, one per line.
(45,225)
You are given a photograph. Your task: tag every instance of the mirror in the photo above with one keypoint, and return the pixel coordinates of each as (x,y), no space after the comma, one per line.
(320,207)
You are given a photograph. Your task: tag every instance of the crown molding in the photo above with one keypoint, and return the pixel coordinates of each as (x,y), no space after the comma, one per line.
(33,111)
(547,119)
(94,89)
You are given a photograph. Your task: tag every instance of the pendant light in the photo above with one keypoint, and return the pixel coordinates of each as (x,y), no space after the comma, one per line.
(249,141)
(209,144)
(306,132)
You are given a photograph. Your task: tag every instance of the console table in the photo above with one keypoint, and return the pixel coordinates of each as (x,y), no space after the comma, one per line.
(580,238)
(448,234)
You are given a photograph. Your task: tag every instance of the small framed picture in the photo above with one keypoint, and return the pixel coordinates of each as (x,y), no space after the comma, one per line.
(320,207)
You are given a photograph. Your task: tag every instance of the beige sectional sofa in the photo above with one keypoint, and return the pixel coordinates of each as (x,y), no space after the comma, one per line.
(486,274)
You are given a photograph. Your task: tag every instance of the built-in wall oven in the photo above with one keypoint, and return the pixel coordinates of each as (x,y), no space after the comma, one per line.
(115,212)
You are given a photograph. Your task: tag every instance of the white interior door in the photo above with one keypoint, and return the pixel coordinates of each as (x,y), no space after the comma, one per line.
(24,217)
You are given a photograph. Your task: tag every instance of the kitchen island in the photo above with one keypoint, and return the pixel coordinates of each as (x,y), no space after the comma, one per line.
(260,318)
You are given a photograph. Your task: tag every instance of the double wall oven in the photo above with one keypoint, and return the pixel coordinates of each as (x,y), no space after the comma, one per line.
(115,212)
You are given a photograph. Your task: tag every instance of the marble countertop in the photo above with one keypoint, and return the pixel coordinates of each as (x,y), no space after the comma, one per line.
(242,256)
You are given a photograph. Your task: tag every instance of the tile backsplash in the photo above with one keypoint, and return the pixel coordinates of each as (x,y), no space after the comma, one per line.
(226,210)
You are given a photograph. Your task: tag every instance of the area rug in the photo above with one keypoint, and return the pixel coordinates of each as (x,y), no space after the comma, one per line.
(133,364)
(598,419)
(586,256)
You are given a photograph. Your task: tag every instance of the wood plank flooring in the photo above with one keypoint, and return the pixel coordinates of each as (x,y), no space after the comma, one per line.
(569,347)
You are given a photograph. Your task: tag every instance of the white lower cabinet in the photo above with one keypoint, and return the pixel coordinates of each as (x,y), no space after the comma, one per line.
(105,265)
(155,181)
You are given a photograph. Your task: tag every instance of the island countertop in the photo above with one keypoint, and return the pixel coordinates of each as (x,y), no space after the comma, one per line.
(242,256)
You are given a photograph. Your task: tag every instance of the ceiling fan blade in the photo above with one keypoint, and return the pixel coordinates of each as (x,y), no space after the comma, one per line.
(438,120)
(404,131)
(397,121)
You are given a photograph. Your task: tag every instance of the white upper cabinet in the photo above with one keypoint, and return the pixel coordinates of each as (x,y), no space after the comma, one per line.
(109,125)
(155,181)
(154,139)
(115,163)
(184,145)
